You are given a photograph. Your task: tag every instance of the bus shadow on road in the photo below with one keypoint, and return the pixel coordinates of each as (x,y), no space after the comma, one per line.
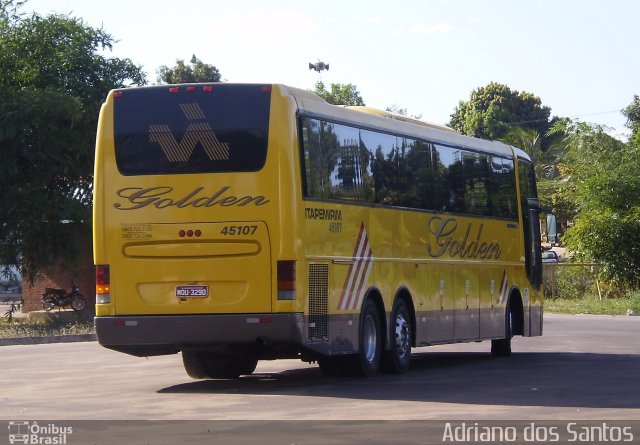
(551,379)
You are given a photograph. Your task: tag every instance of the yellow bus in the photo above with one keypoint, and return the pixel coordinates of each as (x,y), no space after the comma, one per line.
(238,222)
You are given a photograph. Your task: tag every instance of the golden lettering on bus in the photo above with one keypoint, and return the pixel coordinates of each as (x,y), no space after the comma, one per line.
(162,197)
(459,242)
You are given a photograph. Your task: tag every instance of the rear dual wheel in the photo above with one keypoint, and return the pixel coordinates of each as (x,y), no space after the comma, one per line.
(202,364)
(398,358)
(367,361)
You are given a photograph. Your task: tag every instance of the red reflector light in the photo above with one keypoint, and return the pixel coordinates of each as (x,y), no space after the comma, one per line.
(174,90)
(182,233)
(266,89)
(286,275)
(191,89)
(117,94)
(207,89)
(103,280)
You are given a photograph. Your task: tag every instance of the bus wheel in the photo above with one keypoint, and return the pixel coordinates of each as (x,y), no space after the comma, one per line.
(200,364)
(502,347)
(398,358)
(367,361)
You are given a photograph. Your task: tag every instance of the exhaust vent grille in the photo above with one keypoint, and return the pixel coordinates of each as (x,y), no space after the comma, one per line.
(318,302)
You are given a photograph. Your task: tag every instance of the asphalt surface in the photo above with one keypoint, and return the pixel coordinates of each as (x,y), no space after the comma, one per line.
(584,367)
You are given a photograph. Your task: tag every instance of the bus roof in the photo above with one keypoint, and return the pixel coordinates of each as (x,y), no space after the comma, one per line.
(313,105)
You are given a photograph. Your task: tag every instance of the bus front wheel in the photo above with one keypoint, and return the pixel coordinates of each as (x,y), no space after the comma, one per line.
(502,346)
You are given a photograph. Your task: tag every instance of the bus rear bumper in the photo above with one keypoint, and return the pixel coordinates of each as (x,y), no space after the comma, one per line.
(167,334)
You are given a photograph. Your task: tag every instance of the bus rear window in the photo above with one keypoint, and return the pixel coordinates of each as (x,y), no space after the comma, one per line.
(203,128)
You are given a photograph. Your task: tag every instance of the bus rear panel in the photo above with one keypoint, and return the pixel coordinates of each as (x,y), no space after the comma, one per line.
(185,196)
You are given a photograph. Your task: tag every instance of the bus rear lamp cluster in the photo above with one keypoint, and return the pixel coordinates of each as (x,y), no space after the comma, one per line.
(286,280)
(205,89)
(191,89)
(103,285)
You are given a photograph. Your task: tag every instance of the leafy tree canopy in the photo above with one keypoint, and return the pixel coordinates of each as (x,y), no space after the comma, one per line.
(52,82)
(632,112)
(196,72)
(339,94)
(601,179)
(492,111)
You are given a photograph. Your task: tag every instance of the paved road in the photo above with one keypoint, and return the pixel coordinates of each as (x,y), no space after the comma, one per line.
(584,367)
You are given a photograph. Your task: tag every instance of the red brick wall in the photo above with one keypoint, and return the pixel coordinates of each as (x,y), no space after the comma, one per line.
(83,273)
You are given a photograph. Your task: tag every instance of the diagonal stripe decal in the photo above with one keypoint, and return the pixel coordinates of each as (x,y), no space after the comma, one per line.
(358,275)
(196,132)
(503,288)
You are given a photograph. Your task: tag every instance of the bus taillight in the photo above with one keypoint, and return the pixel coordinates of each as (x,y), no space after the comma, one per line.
(103,285)
(286,280)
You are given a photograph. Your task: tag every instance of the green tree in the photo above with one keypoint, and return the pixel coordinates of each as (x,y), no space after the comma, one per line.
(53,79)
(9,10)
(632,113)
(196,72)
(492,111)
(339,94)
(601,179)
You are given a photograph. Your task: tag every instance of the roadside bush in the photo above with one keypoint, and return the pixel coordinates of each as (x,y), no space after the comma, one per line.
(574,282)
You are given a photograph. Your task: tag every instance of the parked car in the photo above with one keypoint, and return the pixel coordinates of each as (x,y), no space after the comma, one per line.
(549,256)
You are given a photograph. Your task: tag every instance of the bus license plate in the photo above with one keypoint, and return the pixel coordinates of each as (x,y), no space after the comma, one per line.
(192,291)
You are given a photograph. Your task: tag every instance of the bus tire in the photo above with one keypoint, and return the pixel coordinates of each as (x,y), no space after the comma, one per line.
(367,361)
(398,358)
(200,364)
(502,347)
(193,365)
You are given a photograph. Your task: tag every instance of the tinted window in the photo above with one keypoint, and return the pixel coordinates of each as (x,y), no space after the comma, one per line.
(531,223)
(502,188)
(385,163)
(450,180)
(220,128)
(418,175)
(337,164)
(347,163)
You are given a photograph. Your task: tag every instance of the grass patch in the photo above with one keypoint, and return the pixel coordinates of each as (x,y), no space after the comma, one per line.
(591,304)
(16,329)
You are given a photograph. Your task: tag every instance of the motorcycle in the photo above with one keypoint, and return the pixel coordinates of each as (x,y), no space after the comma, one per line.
(59,297)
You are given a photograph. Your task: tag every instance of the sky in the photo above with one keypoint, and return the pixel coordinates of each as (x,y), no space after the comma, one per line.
(579,56)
